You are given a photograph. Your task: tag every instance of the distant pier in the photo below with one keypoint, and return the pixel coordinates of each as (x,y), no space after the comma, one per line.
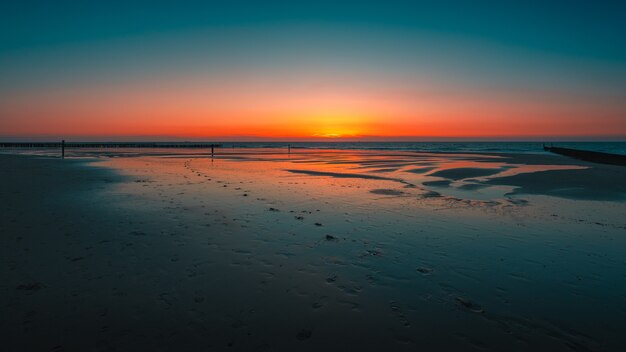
(586,155)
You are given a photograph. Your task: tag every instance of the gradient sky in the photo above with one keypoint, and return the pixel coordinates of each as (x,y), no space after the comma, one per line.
(312,70)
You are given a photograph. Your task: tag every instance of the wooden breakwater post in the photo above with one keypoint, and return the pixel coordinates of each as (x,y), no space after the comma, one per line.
(590,156)
(212,150)
(288,148)
(63,149)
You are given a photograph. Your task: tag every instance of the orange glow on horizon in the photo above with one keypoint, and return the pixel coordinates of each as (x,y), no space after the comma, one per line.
(240,112)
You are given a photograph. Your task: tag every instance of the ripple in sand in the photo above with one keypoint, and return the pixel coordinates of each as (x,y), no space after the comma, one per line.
(438,183)
(387,192)
(466,172)
(430,194)
(421,170)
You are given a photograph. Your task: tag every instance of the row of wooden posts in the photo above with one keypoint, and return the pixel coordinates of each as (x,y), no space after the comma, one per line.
(212,149)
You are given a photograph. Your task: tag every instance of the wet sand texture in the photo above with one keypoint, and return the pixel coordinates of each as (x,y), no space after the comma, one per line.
(184,253)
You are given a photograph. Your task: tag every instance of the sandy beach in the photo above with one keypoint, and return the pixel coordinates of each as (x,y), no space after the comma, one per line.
(312,250)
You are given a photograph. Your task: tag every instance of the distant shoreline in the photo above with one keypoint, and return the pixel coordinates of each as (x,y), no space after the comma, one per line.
(613,147)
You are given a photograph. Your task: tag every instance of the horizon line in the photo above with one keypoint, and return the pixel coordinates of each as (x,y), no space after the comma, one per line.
(321,140)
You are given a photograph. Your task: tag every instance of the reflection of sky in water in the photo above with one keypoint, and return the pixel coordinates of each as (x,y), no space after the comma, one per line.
(457,175)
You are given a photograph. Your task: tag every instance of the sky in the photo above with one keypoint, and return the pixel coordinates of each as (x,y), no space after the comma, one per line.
(312,70)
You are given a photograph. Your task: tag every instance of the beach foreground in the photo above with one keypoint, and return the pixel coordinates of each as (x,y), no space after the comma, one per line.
(313,250)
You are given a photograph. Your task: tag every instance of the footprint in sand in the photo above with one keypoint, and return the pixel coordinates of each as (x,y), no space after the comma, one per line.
(424,271)
(316,305)
(304,334)
(469,305)
(371,252)
(395,308)
(331,238)
(34,286)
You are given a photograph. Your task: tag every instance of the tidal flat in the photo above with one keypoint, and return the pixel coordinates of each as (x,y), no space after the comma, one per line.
(311,250)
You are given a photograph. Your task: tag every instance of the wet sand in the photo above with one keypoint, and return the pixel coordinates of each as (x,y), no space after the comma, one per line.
(318,250)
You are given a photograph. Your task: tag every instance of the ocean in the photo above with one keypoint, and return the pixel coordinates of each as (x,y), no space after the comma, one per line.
(447,147)
(498,147)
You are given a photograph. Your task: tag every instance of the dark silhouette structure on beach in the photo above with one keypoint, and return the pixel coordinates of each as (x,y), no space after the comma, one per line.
(586,155)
